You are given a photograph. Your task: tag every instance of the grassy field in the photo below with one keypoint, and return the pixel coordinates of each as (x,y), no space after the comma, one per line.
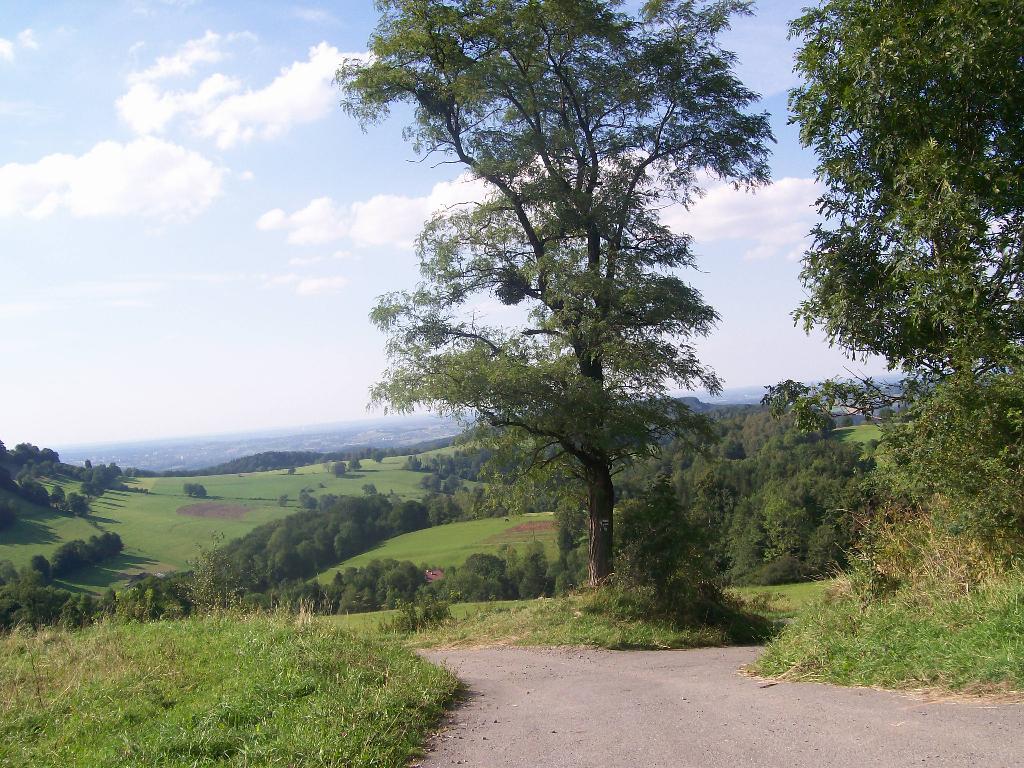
(448,545)
(784,600)
(862,433)
(163,529)
(214,691)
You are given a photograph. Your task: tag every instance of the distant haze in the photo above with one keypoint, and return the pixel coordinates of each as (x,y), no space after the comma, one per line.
(198,452)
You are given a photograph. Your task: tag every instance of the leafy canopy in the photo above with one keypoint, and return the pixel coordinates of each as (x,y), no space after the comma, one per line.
(580,120)
(914,111)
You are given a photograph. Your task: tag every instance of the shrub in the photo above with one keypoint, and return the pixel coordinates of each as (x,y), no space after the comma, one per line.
(662,558)
(423,613)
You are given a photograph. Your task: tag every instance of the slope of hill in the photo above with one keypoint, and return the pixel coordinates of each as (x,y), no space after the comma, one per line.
(162,528)
(448,545)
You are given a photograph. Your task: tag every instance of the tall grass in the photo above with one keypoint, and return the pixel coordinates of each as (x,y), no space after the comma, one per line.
(930,635)
(214,691)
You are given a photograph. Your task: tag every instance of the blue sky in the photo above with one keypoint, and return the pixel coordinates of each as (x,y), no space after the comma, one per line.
(192,232)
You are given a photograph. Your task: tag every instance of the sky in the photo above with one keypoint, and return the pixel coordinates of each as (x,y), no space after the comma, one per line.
(192,232)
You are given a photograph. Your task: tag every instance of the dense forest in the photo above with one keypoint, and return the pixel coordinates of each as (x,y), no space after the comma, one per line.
(779,503)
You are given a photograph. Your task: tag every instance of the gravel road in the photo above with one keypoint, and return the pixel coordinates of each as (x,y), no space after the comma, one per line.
(549,708)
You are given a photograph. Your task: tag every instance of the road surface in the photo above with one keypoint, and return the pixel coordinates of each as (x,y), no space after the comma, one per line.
(556,708)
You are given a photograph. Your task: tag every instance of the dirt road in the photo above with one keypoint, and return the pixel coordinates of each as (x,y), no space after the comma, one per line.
(555,708)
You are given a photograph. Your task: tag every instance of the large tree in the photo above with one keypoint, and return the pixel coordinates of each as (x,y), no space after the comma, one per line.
(582,120)
(914,111)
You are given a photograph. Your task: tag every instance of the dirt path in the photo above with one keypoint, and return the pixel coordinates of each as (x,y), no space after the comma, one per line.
(555,708)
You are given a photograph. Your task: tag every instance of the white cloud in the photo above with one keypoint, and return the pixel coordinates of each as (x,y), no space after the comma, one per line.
(27,39)
(774,220)
(146,109)
(302,93)
(247,175)
(322,221)
(147,177)
(314,286)
(6,50)
(314,15)
(308,286)
(220,110)
(306,261)
(204,50)
(383,220)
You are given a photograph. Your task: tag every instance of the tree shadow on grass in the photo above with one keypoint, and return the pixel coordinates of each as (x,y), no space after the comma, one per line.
(105,574)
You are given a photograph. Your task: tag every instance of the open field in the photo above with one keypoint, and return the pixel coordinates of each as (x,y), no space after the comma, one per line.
(163,529)
(448,545)
(786,599)
(862,433)
(214,691)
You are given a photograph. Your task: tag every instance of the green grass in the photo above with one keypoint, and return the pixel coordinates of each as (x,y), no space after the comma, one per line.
(446,545)
(861,434)
(913,639)
(374,620)
(159,539)
(267,691)
(590,618)
(784,600)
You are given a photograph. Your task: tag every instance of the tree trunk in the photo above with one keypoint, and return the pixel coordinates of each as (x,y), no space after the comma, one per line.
(600,503)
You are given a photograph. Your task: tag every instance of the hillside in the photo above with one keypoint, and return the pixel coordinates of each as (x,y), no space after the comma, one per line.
(162,528)
(448,545)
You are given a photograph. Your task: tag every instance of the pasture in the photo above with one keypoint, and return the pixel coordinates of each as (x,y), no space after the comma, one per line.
(163,528)
(861,434)
(448,545)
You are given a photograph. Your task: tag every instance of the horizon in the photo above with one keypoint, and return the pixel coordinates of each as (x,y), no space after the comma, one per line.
(196,252)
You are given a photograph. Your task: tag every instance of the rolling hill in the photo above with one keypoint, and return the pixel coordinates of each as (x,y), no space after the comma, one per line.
(448,545)
(162,528)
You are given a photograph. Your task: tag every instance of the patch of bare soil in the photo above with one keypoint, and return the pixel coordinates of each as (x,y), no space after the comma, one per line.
(215,510)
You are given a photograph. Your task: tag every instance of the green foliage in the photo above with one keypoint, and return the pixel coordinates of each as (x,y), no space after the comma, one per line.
(197,490)
(580,120)
(417,615)
(215,692)
(662,555)
(918,260)
(216,583)
(960,453)
(774,504)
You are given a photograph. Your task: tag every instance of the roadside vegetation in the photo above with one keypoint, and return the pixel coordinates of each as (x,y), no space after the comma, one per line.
(916,638)
(919,263)
(214,690)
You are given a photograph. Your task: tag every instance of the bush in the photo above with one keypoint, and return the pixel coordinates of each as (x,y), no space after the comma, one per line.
(959,454)
(423,613)
(215,583)
(196,490)
(662,558)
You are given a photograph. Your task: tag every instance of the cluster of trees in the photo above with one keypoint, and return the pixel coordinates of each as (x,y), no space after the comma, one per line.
(385,584)
(73,555)
(31,463)
(195,490)
(27,601)
(303,544)
(777,503)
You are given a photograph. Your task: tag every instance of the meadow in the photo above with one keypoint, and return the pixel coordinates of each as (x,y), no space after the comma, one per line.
(163,529)
(448,545)
(862,433)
